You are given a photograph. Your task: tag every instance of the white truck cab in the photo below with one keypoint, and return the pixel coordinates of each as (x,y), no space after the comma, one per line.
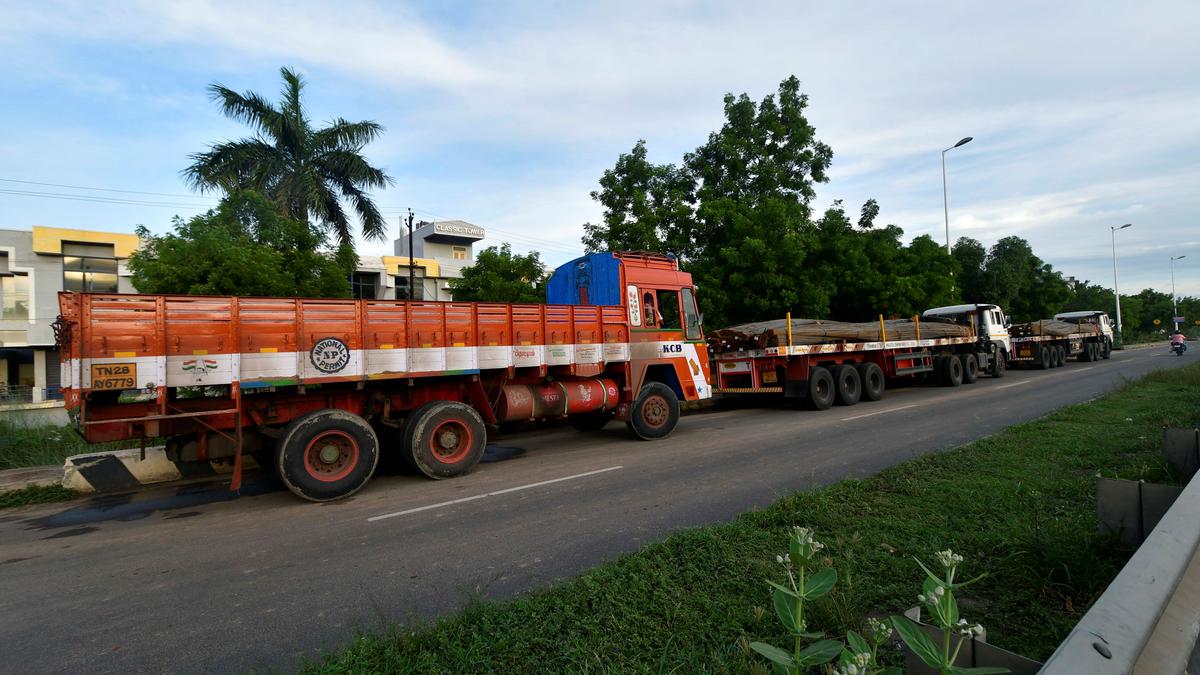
(1090,316)
(988,320)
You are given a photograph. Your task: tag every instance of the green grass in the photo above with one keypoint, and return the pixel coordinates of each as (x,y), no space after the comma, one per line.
(22,447)
(38,494)
(1018,505)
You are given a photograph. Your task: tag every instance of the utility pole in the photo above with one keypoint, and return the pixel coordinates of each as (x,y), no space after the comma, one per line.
(1116,288)
(945,198)
(1174,298)
(411,262)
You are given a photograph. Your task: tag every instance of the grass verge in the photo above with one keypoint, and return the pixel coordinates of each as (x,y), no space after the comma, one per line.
(22,447)
(1019,505)
(36,494)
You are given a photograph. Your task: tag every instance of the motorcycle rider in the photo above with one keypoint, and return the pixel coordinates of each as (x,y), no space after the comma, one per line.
(1178,340)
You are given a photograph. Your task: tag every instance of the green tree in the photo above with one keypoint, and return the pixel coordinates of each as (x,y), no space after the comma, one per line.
(306,172)
(970,256)
(1017,280)
(753,233)
(499,275)
(647,207)
(243,247)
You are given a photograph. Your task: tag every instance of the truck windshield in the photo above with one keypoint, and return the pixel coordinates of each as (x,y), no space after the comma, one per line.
(691,318)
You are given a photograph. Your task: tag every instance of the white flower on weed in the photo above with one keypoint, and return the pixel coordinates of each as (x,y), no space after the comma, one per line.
(977,629)
(921,598)
(880,630)
(949,558)
(939,591)
(862,660)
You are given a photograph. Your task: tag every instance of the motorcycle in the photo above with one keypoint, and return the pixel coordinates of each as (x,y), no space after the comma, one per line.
(1179,348)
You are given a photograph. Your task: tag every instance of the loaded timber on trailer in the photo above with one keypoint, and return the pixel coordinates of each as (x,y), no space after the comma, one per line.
(820,363)
(1048,343)
(319,388)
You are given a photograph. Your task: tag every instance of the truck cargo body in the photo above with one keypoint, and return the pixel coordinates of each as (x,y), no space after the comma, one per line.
(319,387)
(1085,335)
(845,372)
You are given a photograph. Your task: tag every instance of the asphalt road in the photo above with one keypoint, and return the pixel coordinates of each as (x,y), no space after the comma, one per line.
(187,579)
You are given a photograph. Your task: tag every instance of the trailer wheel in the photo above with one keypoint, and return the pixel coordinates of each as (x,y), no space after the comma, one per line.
(847,385)
(655,412)
(1044,361)
(954,371)
(326,455)
(939,370)
(820,388)
(590,421)
(1063,355)
(1000,364)
(873,381)
(970,366)
(443,439)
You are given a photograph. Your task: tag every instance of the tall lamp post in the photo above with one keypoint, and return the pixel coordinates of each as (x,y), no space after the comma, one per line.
(945,199)
(1116,288)
(1174,298)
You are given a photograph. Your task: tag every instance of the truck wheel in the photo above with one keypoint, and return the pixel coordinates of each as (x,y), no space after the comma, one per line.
(939,370)
(954,371)
(1062,356)
(1044,361)
(847,384)
(873,381)
(590,421)
(1107,353)
(443,439)
(970,367)
(1085,354)
(1000,364)
(1053,356)
(820,388)
(327,454)
(655,412)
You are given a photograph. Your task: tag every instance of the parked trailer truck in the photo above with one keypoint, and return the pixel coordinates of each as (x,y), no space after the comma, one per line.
(1088,336)
(321,387)
(846,372)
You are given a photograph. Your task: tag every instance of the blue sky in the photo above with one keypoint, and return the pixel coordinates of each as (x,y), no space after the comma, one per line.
(505,114)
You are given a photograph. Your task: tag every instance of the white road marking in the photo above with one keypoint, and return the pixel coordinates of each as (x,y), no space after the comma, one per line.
(491,494)
(1014,384)
(880,412)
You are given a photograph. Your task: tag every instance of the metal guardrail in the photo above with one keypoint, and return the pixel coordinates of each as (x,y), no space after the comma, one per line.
(1148,620)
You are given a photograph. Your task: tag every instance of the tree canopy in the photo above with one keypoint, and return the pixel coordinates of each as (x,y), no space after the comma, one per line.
(499,275)
(305,171)
(1010,275)
(737,213)
(243,247)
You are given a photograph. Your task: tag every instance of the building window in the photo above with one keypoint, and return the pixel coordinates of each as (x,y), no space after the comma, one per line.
(89,275)
(402,291)
(14,296)
(459,252)
(363,285)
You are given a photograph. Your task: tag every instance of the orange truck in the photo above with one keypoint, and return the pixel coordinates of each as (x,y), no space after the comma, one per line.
(319,388)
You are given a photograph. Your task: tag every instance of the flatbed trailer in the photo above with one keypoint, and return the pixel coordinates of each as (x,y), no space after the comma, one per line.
(318,388)
(821,375)
(1052,351)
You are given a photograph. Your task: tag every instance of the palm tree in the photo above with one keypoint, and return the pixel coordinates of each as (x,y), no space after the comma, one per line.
(306,172)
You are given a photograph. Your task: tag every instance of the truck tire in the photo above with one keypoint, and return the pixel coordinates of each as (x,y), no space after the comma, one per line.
(847,385)
(1086,354)
(1107,353)
(1044,359)
(939,370)
(655,412)
(954,371)
(1000,364)
(873,381)
(1054,360)
(970,368)
(443,439)
(1063,355)
(820,388)
(326,455)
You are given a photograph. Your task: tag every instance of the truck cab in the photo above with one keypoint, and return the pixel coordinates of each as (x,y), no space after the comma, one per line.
(1090,316)
(666,339)
(988,321)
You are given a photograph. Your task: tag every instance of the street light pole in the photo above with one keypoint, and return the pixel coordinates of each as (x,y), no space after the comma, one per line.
(1116,288)
(1174,298)
(945,198)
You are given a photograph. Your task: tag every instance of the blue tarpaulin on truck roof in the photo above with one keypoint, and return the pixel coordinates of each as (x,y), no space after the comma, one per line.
(591,280)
